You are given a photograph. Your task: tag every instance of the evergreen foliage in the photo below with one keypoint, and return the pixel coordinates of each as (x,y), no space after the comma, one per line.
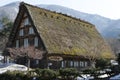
(69,73)
(6,27)
(102,63)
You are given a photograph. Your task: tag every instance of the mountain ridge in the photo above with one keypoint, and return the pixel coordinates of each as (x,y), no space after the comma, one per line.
(107,27)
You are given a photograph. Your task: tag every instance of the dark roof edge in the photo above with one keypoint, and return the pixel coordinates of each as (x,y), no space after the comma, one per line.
(22,3)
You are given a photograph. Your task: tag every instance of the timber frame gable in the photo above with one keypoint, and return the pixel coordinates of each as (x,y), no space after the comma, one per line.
(22,14)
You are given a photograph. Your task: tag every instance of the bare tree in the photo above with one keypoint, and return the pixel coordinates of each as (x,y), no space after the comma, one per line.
(29,52)
(93,49)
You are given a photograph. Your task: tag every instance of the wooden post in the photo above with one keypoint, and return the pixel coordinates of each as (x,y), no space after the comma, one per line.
(28,64)
(4,59)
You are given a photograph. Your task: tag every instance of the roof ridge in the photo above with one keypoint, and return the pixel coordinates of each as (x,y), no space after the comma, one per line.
(78,19)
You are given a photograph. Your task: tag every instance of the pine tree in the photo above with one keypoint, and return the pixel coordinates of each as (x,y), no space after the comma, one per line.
(6,25)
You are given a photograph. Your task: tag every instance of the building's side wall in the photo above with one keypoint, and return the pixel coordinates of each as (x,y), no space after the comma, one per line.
(68,61)
(78,64)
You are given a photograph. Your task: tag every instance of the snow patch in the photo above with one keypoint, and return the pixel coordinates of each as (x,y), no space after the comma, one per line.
(11,67)
(117,77)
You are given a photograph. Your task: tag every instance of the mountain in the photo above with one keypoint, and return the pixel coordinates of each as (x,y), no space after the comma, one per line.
(107,27)
(9,10)
(113,30)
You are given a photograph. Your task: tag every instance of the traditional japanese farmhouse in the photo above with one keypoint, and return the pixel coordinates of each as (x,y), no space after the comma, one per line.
(64,41)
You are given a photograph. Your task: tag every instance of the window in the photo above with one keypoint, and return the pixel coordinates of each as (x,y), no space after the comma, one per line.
(76,64)
(37,61)
(62,64)
(81,64)
(31,31)
(17,43)
(86,64)
(26,42)
(26,21)
(21,33)
(71,63)
(65,62)
(36,42)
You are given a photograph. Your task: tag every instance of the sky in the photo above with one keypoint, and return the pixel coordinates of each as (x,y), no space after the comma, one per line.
(105,8)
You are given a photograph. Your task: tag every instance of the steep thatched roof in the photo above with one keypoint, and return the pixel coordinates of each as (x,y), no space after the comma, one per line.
(63,34)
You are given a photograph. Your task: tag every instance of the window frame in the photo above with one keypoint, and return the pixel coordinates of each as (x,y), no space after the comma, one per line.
(21,32)
(31,30)
(36,42)
(26,42)
(26,21)
(17,44)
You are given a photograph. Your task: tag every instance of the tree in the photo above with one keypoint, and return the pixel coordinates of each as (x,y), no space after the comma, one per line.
(102,63)
(93,50)
(6,25)
(29,52)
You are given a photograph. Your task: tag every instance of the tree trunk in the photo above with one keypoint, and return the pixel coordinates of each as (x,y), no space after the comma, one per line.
(92,64)
(5,60)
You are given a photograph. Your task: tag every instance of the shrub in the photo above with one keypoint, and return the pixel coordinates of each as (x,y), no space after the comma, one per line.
(41,74)
(15,75)
(69,73)
(102,63)
(38,71)
(46,74)
(88,71)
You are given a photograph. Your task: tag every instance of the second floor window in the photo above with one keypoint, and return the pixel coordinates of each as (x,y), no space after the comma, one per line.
(26,21)
(21,32)
(17,43)
(36,42)
(31,30)
(26,44)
